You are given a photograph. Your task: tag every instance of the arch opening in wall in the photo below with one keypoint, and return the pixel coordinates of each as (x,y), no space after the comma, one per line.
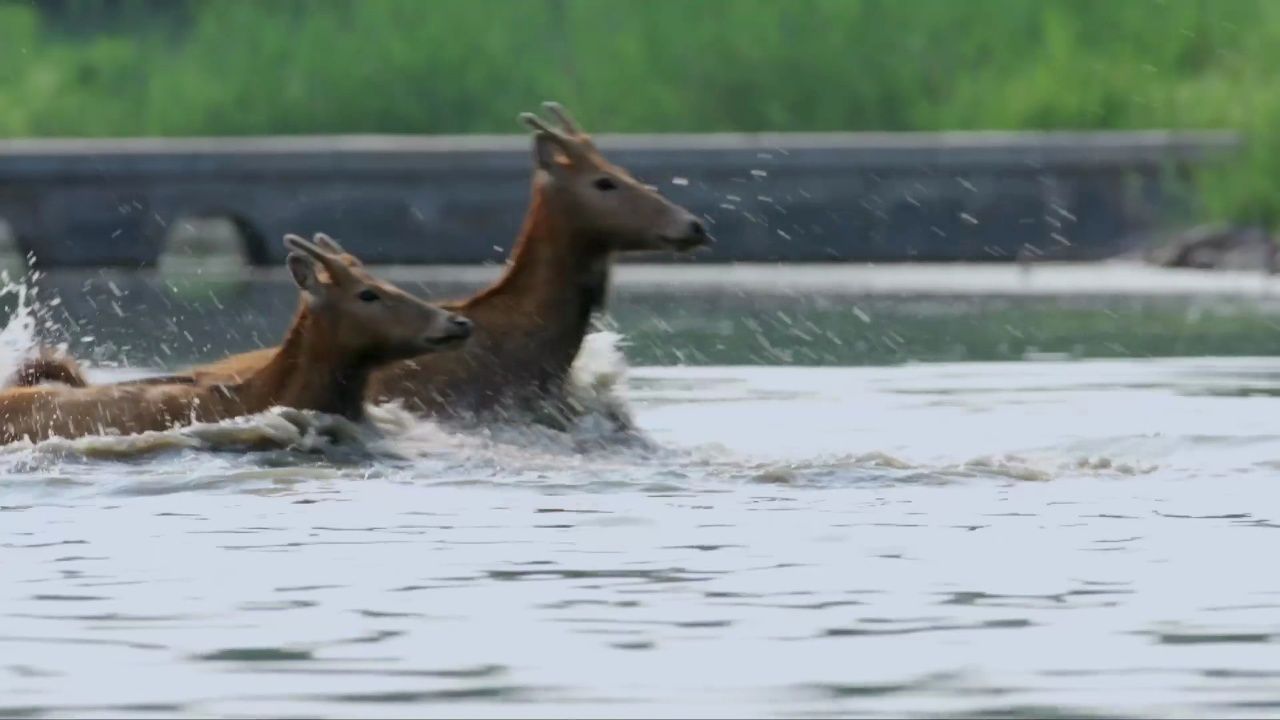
(13,258)
(211,242)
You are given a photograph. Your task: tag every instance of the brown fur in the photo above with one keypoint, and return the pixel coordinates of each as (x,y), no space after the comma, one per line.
(530,324)
(49,369)
(324,363)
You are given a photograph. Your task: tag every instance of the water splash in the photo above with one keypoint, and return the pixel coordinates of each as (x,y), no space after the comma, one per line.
(31,327)
(597,386)
(18,338)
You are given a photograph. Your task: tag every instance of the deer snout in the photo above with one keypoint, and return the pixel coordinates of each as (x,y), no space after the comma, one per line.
(446,331)
(457,328)
(698,231)
(690,234)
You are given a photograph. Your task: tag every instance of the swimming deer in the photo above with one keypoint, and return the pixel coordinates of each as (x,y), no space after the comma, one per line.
(49,367)
(354,323)
(529,325)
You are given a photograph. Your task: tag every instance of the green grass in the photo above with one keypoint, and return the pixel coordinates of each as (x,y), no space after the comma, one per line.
(425,66)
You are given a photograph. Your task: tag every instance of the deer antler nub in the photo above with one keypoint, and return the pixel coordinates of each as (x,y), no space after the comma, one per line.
(537,124)
(332,262)
(566,120)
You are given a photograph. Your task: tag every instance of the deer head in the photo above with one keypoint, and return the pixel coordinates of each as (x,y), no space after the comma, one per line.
(369,319)
(601,201)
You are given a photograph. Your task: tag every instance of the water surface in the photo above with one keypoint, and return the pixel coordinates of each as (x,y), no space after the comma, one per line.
(1065,536)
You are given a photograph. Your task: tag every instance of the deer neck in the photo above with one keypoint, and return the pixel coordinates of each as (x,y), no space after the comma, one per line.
(556,278)
(309,372)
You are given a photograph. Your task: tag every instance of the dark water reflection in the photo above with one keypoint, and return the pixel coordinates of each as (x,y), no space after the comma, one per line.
(162,320)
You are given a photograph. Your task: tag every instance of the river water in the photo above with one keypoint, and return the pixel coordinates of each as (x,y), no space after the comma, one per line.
(862,493)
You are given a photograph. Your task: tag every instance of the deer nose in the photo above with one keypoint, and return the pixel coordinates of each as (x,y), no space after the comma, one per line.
(697,230)
(459,327)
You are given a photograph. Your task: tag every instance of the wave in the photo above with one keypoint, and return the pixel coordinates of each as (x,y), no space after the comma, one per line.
(883,467)
(279,428)
(602,420)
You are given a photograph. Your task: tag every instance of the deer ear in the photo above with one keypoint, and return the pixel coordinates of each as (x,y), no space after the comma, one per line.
(326,243)
(305,275)
(548,154)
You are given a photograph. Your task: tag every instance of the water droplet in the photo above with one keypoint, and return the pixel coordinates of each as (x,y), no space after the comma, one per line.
(682,181)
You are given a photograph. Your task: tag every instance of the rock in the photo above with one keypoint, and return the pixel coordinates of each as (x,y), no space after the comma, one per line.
(1218,247)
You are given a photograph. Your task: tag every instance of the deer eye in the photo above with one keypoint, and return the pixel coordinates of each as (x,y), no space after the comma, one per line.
(605,184)
(368,295)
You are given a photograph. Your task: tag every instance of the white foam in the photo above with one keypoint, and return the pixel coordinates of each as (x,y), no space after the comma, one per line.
(597,386)
(18,338)
(277,428)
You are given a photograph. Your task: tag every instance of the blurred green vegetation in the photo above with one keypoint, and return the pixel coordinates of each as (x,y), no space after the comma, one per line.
(228,67)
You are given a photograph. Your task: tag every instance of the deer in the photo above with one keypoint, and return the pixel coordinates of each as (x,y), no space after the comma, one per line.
(354,324)
(49,367)
(530,323)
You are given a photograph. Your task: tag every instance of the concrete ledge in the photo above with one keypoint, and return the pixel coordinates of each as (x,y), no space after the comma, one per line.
(452,199)
(1117,278)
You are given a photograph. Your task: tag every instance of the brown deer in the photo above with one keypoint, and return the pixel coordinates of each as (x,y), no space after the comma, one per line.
(530,324)
(49,368)
(353,324)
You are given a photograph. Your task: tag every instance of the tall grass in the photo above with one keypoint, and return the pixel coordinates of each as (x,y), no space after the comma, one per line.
(316,66)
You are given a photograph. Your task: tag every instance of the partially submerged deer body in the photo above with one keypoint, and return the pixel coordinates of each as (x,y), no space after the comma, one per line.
(353,324)
(49,368)
(530,324)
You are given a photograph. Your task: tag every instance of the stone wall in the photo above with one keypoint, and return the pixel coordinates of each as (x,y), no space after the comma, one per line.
(779,197)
